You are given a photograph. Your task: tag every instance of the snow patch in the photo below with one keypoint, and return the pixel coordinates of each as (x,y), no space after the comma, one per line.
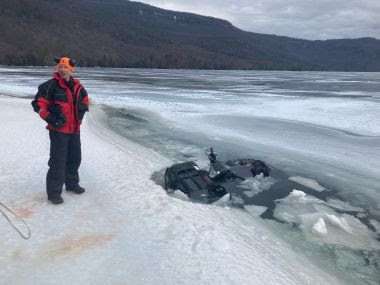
(339,223)
(225,201)
(255,210)
(178,194)
(297,195)
(320,227)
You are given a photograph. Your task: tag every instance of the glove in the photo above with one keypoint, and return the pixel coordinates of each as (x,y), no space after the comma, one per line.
(56,118)
(56,121)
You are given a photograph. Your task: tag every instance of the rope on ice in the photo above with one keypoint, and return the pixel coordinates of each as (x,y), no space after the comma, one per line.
(6,212)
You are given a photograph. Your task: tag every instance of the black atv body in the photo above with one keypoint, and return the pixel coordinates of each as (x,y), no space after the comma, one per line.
(209,186)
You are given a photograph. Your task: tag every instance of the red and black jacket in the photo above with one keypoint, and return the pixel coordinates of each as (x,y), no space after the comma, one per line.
(72,100)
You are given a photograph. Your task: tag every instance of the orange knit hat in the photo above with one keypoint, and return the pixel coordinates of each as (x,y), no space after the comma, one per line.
(66,62)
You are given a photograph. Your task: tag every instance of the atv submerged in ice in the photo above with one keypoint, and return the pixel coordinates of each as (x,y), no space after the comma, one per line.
(209,186)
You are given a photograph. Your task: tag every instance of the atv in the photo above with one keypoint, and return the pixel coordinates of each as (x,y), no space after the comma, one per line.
(220,179)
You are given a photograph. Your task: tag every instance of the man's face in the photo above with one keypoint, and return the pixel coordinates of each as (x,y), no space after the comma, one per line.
(64,71)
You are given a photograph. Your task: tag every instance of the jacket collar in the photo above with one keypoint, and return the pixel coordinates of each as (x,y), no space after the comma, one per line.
(61,80)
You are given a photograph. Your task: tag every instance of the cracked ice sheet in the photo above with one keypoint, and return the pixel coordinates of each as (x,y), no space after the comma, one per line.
(125,228)
(257,184)
(321,223)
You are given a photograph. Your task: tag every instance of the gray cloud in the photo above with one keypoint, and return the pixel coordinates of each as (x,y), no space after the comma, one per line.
(309,19)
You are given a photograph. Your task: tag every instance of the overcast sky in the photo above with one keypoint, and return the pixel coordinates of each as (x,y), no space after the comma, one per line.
(309,19)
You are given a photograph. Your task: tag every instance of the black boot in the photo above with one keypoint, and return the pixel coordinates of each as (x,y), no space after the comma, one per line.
(77,189)
(56,200)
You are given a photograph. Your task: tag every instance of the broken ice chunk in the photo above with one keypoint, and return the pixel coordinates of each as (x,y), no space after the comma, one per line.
(320,227)
(307,182)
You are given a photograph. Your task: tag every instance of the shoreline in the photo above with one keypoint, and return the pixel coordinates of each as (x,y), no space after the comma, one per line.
(197,69)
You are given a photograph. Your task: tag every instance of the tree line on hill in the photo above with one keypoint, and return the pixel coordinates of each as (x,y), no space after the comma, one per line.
(120,33)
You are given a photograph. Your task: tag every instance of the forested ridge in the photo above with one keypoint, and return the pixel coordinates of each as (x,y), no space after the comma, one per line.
(120,33)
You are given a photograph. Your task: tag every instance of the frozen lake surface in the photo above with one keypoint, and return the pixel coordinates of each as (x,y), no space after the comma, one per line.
(322,129)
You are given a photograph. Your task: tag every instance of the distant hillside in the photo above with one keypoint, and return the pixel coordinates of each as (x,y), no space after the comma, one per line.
(121,33)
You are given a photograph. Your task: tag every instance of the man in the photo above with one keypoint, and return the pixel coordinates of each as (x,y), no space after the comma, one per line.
(62,102)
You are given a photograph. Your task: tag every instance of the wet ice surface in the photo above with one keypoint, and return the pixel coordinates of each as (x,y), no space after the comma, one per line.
(322,130)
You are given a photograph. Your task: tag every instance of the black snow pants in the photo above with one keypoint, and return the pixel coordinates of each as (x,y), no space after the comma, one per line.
(64,162)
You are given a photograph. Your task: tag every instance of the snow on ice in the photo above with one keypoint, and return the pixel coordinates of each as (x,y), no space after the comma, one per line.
(125,229)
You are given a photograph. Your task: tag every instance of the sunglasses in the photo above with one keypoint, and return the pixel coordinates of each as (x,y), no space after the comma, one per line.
(72,62)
